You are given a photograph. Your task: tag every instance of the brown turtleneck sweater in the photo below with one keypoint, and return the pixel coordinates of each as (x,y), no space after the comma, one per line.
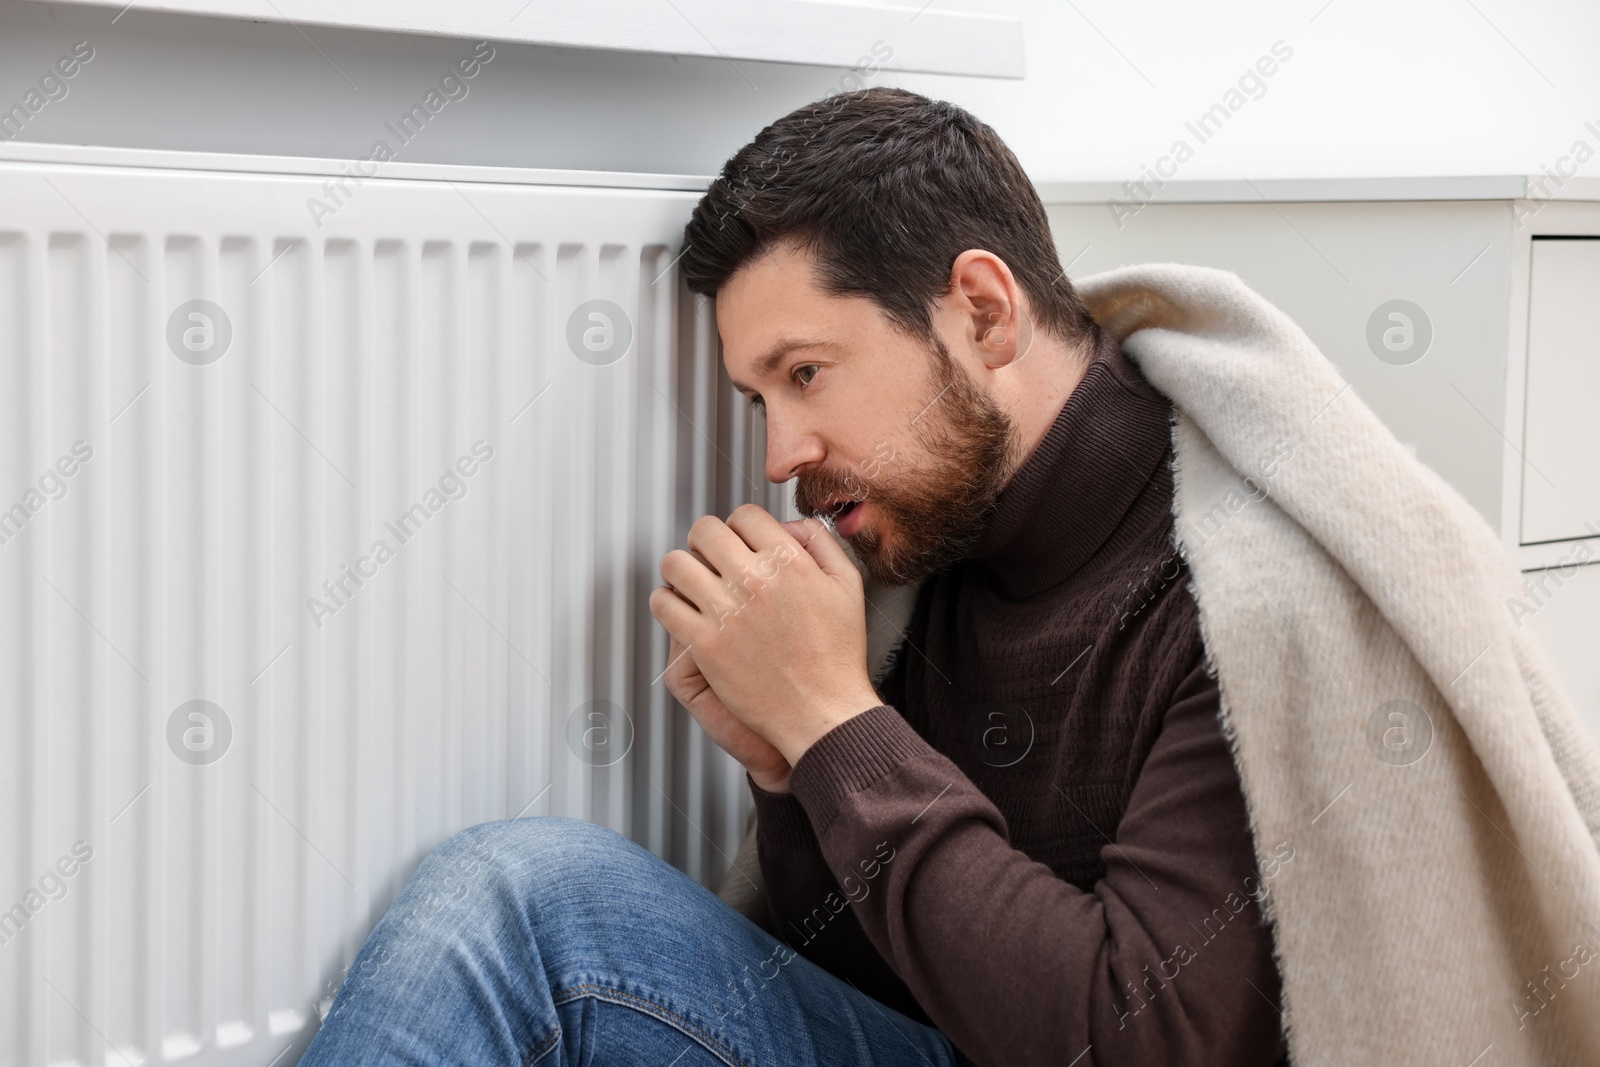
(1038,842)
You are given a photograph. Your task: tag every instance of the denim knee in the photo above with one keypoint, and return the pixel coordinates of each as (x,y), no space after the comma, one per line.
(497,862)
(469,890)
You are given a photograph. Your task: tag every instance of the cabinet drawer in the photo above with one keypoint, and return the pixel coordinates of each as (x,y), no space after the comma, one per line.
(1561,435)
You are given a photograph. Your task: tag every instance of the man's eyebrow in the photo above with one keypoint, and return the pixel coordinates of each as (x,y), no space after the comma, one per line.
(774,355)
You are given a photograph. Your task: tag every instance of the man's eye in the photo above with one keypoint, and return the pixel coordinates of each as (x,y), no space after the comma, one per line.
(807,367)
(757,403)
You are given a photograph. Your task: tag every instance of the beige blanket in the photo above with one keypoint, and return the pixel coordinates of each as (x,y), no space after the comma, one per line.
(1394,723)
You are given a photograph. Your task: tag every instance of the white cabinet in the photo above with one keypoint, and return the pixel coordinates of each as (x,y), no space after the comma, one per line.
(1500,275)
(1561,431)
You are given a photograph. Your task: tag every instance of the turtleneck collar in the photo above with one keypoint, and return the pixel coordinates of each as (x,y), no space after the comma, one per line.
(1070,496)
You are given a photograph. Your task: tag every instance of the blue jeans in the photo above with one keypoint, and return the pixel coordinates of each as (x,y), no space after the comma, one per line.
(553,941)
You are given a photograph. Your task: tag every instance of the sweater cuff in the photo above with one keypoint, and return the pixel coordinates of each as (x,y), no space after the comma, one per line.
(850,757)
(781,819)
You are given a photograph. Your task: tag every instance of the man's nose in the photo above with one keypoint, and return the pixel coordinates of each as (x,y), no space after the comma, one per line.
(789,450)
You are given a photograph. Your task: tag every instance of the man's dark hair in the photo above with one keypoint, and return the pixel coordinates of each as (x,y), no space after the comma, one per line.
(885,188)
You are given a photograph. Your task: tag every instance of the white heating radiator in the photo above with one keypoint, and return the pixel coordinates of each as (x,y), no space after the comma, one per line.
(234,723)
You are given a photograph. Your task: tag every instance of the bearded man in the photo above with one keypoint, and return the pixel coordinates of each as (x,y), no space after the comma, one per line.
(1018,834)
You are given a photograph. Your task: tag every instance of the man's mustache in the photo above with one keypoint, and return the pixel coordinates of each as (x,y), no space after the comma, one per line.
(813,492)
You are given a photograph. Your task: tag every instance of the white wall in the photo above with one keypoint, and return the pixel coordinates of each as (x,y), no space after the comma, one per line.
(198,84)
(1373,88)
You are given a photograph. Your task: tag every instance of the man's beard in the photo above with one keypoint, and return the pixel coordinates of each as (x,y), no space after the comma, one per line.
(938,508)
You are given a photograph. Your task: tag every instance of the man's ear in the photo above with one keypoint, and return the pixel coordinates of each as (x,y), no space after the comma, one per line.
(986,298)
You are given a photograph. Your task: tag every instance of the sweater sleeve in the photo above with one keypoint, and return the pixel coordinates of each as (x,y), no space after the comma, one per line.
(810,911)
(1167,960)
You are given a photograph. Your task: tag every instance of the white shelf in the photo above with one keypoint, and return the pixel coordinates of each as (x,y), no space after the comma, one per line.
(1310,190)
(827,33)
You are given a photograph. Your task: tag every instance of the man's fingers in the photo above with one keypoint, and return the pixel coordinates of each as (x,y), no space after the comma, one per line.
(763,533)
(726,562)
(692,580)
(675,614)
(813,536)
(723,550)
(675,653)
(747,548)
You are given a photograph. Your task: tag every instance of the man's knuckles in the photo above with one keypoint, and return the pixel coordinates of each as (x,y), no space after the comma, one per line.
(704,525)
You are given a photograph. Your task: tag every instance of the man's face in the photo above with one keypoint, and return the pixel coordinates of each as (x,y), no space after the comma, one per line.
(859,410)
